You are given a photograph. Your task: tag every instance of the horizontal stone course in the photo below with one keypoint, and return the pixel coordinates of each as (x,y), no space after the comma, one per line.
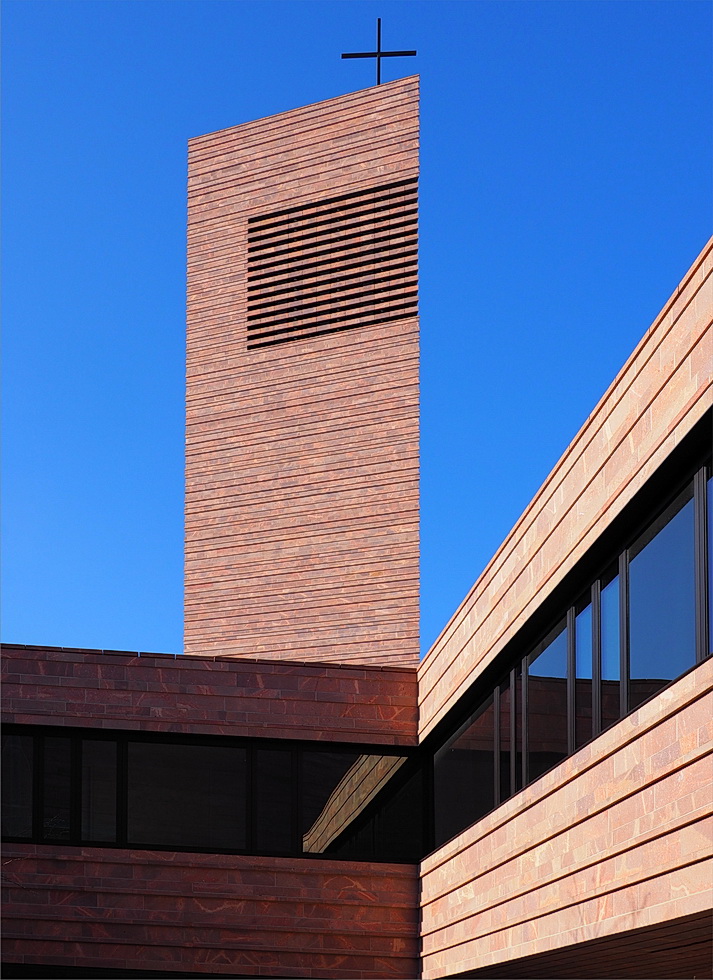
(227,696)
(164,910)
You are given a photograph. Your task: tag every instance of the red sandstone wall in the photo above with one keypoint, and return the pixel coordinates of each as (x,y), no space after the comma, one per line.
(658,396)
(215,696)
(218,914)
(301,459)
(616,837)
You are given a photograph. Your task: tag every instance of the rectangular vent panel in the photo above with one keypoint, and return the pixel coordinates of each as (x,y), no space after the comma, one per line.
(346,262)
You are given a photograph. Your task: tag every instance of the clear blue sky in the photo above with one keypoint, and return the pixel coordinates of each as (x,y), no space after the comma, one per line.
(566,189)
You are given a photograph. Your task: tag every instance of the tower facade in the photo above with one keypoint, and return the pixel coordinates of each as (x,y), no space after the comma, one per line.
(302,504)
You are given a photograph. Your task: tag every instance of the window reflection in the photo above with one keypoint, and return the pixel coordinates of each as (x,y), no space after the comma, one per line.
(583,675)
(516,773)
(212,796)
(374,810)
(662,605)
(398,832)
(463,774)
(547,704)
(505,740)
(327,785)
(611,656)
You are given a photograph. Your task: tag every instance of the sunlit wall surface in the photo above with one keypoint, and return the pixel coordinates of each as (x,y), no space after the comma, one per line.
(644,620)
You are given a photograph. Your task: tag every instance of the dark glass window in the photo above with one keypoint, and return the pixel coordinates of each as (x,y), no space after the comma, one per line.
(98,790)
(505,740)
(187,795)
(17,768)
(398,835)
(547,704)
(358,843)
(210,796)
(583,675)
(57,788)
(463,774)
(662,604)
(273,794)
(609,612)
(332,794)
(383,820)
(709,523)
(516,774)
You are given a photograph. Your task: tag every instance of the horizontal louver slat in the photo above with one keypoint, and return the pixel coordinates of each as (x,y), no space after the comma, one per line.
(333,265)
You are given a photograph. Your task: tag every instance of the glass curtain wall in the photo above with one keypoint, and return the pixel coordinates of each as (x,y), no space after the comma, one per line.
(644,621)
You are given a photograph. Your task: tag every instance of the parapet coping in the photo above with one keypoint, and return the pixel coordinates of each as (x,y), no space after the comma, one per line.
(189,658)
(296,110)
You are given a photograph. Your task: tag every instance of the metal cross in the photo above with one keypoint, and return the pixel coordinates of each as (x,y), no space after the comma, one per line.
(379,54)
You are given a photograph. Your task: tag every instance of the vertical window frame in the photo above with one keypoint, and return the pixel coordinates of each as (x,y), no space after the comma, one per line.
(624,634)
(700,551)
(496,744)
(571,675)
(596,657)
(250,798)
(524,741)
(513,732)
(38,791)
(122,791)
(37,777)
(296,841)
(75,790)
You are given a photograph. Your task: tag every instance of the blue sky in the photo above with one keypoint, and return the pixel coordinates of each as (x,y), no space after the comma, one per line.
(565,190)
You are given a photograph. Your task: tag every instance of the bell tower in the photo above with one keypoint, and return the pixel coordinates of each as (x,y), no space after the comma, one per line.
(302,455)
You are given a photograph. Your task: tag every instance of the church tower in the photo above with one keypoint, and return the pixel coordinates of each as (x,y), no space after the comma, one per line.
(302,459)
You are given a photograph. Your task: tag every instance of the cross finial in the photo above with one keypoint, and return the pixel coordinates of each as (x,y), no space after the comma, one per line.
(379,54)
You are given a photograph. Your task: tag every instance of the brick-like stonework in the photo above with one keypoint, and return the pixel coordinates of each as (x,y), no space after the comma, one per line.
(209,914)
(301,458)
(208,695)
(616,837)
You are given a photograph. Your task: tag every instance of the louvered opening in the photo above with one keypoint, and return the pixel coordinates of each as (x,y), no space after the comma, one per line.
(347,262)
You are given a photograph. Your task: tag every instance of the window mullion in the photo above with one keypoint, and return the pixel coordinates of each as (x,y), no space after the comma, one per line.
(496,745)
(38,772)
(122,791)
(596,658)
(513,735)
(75,790)
(251,799)
(571,676)
(294,810)
(701,532)
(524,690)
(624,633)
